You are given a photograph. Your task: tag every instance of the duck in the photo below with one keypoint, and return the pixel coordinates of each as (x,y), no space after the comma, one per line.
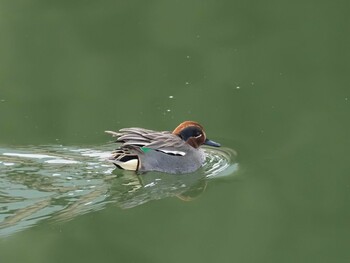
(175,152)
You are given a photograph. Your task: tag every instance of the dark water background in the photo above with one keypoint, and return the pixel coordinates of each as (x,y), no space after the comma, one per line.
(269,79)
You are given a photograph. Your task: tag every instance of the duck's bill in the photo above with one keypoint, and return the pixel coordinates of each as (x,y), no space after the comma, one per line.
(211,143)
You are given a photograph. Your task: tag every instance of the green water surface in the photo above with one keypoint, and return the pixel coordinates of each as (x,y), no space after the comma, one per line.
(267,79)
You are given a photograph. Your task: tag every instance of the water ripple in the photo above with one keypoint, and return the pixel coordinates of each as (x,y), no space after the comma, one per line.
(59,183)
(220,162)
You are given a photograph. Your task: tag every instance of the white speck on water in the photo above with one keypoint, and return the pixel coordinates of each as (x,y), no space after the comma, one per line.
(92,186)
(29,155)
(55,174)
(346,99)
(70,193)
(109,171)
(186,83)
(2,100)
(8,164)
(168,110)
(69,178)
(252,83)
(61,161)
(238,87)
(187,56)
(150,184)
(88,203)
(198,36)
(171,97)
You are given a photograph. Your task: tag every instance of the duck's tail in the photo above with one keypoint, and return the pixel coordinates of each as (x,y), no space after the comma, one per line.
(125,159)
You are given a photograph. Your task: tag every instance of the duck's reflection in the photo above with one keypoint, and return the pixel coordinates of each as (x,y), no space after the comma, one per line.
(122,188)
(67,182)
(130,190)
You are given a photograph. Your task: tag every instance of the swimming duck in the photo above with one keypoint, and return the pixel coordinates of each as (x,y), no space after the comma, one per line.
(173,152)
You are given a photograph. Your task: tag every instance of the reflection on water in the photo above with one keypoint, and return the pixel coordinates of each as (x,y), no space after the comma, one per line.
(59,183)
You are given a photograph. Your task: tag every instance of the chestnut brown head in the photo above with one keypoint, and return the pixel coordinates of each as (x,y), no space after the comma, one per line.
(193,133)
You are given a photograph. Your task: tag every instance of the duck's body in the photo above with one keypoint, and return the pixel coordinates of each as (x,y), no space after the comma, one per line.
(171,152)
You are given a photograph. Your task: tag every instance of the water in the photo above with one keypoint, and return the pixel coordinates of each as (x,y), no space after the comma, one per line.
(59,183)
(269,80)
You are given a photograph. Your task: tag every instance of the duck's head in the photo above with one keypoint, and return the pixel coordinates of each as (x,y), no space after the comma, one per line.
(193,133)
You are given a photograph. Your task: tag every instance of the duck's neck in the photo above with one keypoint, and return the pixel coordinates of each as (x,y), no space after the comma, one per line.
(193,142)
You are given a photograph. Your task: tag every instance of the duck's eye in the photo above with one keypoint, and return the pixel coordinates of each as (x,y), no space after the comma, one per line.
(189,132)
(198,134)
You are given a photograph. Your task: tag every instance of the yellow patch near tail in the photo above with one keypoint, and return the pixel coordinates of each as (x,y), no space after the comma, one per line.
(129,165)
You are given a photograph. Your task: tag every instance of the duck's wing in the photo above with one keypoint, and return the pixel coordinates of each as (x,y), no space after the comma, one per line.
(132,136)
(163,141)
